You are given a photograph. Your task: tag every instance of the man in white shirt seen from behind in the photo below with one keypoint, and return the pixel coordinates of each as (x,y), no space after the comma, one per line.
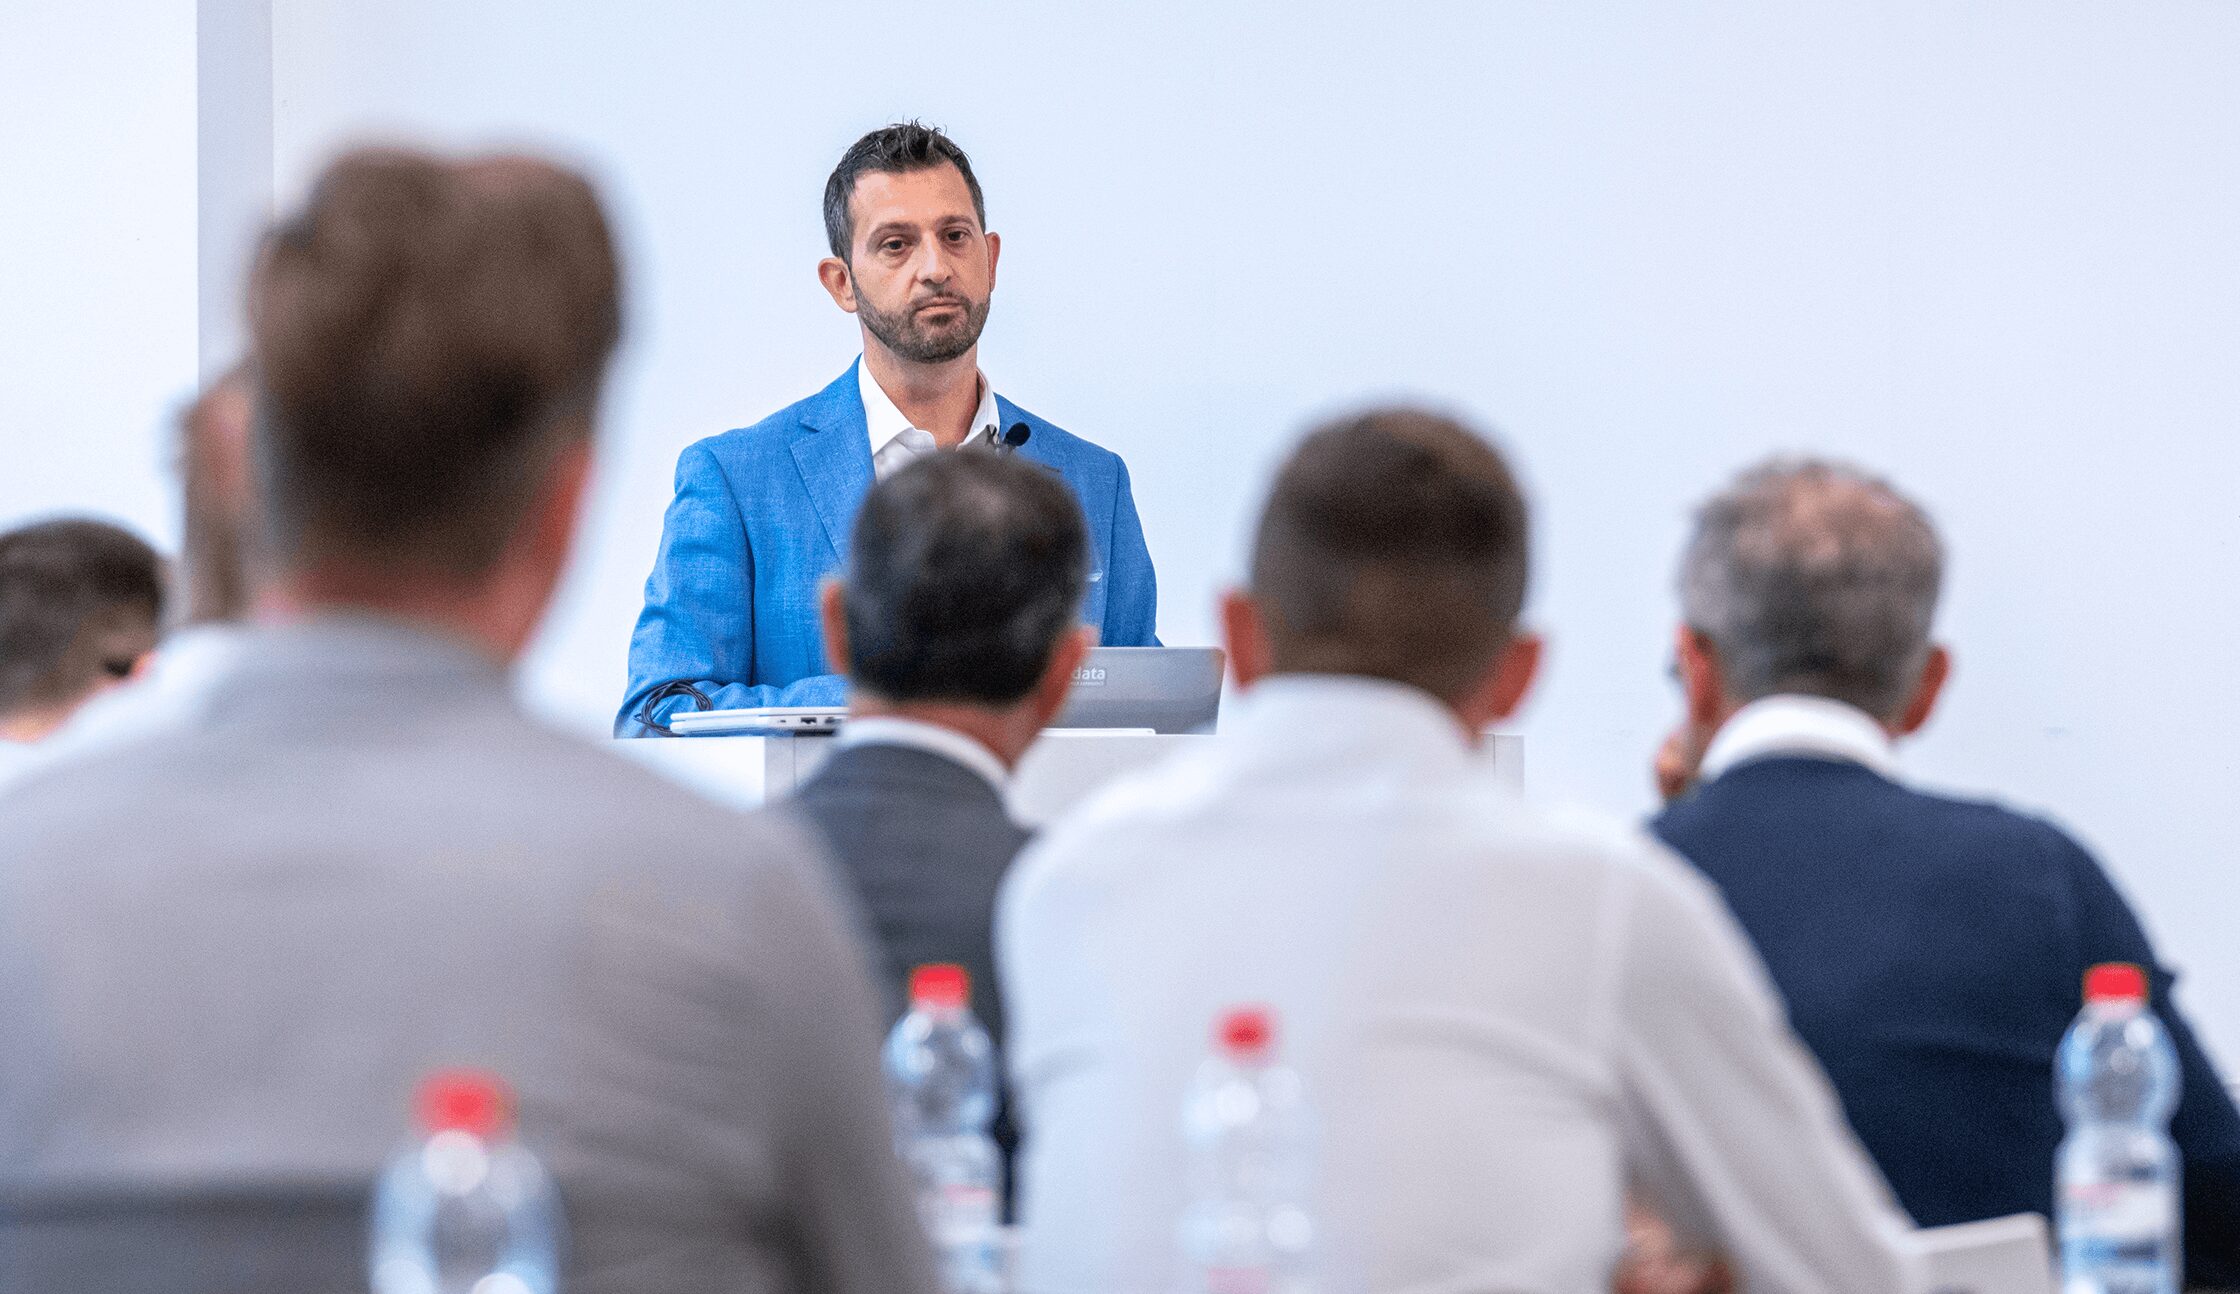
(1504,1016)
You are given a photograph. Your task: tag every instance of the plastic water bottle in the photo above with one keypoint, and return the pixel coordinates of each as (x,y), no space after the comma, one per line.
(1246,1229)
(941,1078)
(2117,1170)
(467,1210)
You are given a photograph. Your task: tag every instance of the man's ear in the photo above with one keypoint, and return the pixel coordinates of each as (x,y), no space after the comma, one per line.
(1516,672)
(832,615)
(1244,630)
(1056,684)
(1700,681)
(1502,688)
(839,281)
(995,253)
(1935,672)
(556,513)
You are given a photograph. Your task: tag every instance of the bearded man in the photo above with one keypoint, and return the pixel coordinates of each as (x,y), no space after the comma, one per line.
(762,514)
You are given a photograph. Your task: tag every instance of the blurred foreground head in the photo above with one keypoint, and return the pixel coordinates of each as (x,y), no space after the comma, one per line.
(1812,578)
(1394,546)
(80,606)
(430,338)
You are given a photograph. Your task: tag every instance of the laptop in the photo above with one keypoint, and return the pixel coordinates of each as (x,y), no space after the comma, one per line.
(1155,689)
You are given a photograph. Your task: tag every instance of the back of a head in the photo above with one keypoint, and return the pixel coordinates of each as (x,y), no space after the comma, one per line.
(80,603)
(1393,546)
(1814,578)
(428,334)
(965,570)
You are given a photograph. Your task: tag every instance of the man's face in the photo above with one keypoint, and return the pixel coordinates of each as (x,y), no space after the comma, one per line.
(921,269)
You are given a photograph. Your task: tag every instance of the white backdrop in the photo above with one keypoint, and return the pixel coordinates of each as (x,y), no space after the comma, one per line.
(97,255)
(1987,248)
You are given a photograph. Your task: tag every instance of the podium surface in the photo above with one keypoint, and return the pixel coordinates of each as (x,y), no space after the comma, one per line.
(1063,768)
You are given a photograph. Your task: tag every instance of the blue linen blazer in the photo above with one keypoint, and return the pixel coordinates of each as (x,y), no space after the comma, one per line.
(763,514)
(1932,951)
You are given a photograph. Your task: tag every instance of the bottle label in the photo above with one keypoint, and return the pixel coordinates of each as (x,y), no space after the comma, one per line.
(2120,1211)
(1252,1279)
(961,1214)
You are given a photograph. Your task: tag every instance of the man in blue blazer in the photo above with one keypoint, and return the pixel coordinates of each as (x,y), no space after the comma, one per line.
(762,514)
(1931,950)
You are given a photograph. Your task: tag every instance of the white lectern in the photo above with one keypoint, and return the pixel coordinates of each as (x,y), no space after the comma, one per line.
(1061,770)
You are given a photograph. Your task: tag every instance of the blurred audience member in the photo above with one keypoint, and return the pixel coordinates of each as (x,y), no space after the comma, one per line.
(81,604)
(214,485)
(1931,949)
(175,688)
(1502,1015)
(958,626)
(228,954)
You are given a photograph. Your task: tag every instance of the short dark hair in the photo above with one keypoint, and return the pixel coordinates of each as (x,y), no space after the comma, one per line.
(428,334)
(80,600)
(1393,546)
(890,150)
(965,570)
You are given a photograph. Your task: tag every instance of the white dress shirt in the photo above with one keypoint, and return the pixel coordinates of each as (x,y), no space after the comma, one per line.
(1793,724)
(954,746)
(16,759)
(895,442)
(1503,1015)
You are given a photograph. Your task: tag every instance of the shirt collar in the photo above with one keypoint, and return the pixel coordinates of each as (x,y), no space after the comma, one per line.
(948,743)
(885,422)
(1345,719)
(1790,724)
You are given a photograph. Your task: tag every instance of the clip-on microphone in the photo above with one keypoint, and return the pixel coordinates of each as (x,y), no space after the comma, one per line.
(1015,437)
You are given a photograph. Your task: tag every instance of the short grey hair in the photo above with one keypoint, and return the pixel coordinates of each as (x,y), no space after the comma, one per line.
(1814,577)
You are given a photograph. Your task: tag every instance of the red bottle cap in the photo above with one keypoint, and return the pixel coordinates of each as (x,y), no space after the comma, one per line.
(940,985)
(472,1101)
(1245,1033)
(2115,982)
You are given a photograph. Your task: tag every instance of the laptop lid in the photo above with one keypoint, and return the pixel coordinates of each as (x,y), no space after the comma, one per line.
(1165,689)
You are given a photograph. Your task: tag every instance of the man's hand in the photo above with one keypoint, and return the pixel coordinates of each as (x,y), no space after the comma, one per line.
(1679,760)
(1654,1262)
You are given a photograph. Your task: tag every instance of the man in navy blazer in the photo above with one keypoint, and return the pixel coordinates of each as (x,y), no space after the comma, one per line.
(762,515)
(1931,950)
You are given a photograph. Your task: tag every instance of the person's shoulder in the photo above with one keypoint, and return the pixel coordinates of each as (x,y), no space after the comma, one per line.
(1988,828)
(773,435)
(1055,441)
(1620,867)
(1597,846)
(1991,834)
(572,767)
(623,828)
(1093,840)
(71,799)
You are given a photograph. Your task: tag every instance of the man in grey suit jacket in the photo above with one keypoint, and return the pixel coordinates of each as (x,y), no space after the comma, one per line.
(958,625)
(229,952)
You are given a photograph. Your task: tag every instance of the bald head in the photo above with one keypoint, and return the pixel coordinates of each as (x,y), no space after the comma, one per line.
(1815,578)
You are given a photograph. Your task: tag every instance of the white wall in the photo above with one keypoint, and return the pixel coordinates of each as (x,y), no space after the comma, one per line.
(97,255)
(1987,248)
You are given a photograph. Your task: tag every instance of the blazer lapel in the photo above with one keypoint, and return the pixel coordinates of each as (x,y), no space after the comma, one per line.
(1038,449)
(833,455)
